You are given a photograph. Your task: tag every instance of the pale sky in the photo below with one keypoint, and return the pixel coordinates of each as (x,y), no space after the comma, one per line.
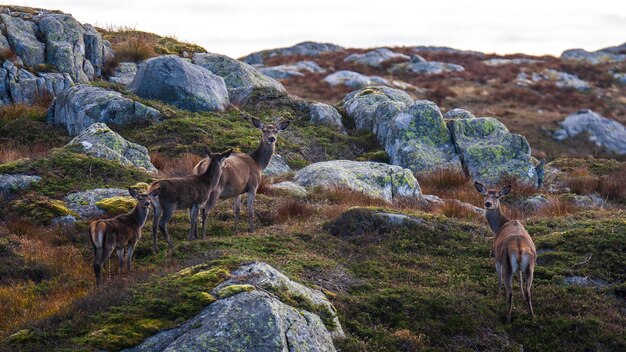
(238,27)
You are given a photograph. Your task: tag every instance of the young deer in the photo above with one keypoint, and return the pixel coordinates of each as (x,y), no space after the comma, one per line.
(120,233)
(242,174)
(189,192)
(513,247)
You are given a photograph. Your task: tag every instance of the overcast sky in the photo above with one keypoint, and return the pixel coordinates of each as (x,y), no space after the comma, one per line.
(238,27)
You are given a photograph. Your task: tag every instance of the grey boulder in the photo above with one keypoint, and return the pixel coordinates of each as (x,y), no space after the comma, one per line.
(604,132)
(291,70)
(100,141)
(560,79)
(324,114)
(490,153)
(304,49)
(353,79)
(610,54)
(124,73)
(21,35)
(418,65)
(178,82)
(18,85)
(277,166)
(378,180)
(84,203)
(13,183)
(243,81)
(79,106)
(375,57)
(419,139)
(361,105)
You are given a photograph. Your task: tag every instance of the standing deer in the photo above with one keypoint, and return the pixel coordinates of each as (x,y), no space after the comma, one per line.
(189,192)
(242,174)
(120,233)
(513,247)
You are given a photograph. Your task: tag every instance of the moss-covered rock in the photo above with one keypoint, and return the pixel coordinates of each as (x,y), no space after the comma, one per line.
(230,290)
(117,205)
(40,209)
(360,105)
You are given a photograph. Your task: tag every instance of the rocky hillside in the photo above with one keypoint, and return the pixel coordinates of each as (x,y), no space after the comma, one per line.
(370,234)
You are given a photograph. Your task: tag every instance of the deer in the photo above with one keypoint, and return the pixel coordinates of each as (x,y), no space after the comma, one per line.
(120,233)
(188,192)
(242,174)
(513,248)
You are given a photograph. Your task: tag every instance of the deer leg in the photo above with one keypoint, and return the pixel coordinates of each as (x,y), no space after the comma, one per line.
(97,264)
(208,206)
(120,259)
(157,215)
(236,210)
(508,287)
(193,221)
(102,257)
(521,283)
(499,273)
(165,218)
(529,281)
(129,256)
(251,196)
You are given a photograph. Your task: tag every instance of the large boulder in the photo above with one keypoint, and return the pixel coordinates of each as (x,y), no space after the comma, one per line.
(277,166)
(22,36)
(419,65)
(357,221)
(250,316)
(79,106)
(419,139)
(361,105)
(490,153)
(324,114)
(18,85)
(560,79)
(375,57)
(124,73)
(501,61)
(175,81)
(12,183)
(291,70)
(100,141)
(242,80)
(604,132)
(378,180)
(353,79)
(304,49)
(610,54)
(84,203)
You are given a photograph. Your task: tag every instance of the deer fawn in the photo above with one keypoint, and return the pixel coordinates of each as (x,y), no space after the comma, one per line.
(513,247)
(120,233)
(189,192)
(242,173)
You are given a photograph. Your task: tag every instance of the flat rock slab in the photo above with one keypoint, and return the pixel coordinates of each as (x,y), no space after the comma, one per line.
(84,203)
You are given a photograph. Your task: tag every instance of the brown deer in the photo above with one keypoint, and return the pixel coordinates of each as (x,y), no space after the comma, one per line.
(189,192)
(513,247)
(120,233)
(242,174)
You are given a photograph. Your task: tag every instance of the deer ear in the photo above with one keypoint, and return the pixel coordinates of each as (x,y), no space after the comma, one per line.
(480,188)
(226,154)
(207,151)
(257,123)
(133,192)
(155,192)
(283,125)
(504,191)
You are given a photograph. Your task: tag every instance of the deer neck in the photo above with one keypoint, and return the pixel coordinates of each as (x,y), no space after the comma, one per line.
(496,219)
(139,214)
(263,154)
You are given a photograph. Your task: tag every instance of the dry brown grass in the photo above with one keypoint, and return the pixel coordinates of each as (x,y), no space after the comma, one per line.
(265,187)
(174,166)
(13,153)
(346,196)
(453,209)
(288,209)
(8,54)
(134,49)
(610,186)
(442,179)
(556,207)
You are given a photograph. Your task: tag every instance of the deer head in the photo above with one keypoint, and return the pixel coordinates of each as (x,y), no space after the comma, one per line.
(143,199)
(270,131)
(492,197)
(214,170)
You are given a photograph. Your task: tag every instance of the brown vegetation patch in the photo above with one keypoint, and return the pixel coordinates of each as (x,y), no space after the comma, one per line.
(174,166)
(291,209)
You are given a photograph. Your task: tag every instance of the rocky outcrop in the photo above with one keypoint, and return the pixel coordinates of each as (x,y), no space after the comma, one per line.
(324,114)
(124,73)
(79,106)
(13,183)
(100,141)
(304,49)
(84,203)
(604,132)
(418,65)
(489,152)
(291,70)
(501,61)
(361,106)
(445,49)
(357,221)
(378,180)
(560,79)
(419,139)
(289,188)
(610,54)
(18,85)
(277,166)
(243,81)
(375,57)
(56,39)
(250,316)
(175,81)
(353,79)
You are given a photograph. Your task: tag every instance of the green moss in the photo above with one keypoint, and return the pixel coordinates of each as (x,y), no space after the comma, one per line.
(117,205)
(380,156)
(233,290)
(304,303)
(39,208)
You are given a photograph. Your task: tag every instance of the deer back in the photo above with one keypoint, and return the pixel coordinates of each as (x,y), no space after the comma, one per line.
(240,172)
(513,237)
(182,191)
